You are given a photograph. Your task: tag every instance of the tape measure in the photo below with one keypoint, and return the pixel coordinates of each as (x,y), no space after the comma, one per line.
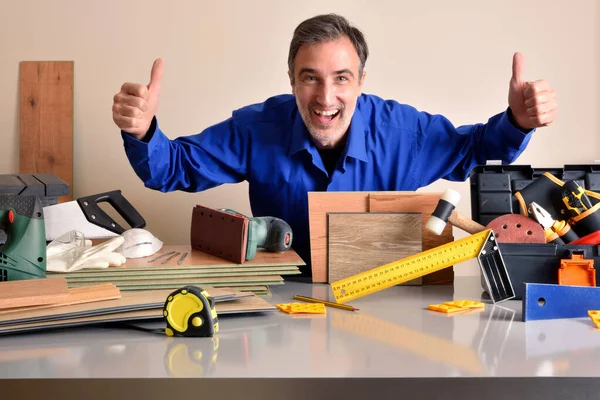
(481,245)
(191,358)
(190,311)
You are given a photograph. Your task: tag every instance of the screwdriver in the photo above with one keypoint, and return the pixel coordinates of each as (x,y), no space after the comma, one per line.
(575,198)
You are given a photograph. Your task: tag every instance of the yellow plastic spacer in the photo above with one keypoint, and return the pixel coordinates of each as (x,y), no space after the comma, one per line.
(445,308)
(595,316)
(302,308)
(465,304)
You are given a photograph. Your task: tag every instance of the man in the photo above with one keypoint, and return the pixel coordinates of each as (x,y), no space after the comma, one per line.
(325,136)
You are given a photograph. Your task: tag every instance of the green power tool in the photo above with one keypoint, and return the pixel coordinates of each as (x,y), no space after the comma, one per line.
(23,255)
(270,233)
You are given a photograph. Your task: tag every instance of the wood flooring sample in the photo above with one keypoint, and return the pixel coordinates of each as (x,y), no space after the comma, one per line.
(362,241)
(33,292)
(424,203)
(87,294)
(319,204)
(239,306)
(199,259)
(46,119)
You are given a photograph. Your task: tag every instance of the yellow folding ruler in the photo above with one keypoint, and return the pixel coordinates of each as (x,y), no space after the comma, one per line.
(481,245)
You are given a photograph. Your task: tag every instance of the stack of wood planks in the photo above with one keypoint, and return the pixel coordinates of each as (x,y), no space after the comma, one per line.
(197,268)
(46,303)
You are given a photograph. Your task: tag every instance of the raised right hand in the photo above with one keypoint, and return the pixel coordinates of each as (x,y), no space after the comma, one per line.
(136,104)
(533,104)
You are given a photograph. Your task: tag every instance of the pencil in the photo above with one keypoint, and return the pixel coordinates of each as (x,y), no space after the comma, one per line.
(327,303)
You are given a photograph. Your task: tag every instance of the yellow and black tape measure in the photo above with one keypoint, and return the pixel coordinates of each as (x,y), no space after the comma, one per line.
(426,262)
(191,358)
(190,311)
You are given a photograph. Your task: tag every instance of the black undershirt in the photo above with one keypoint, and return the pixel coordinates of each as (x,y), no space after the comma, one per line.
(330,158)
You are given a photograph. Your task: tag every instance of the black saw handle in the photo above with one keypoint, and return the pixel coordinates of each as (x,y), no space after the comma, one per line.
(95,215)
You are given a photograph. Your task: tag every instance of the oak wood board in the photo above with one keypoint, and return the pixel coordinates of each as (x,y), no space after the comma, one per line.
(424,203)
(319,204)
(46,119)
(362,241)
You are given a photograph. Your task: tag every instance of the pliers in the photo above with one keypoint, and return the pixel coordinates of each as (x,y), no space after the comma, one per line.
(558,232)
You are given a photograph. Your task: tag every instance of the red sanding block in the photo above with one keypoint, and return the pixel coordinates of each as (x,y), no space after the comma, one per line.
(517,228)
(219,233)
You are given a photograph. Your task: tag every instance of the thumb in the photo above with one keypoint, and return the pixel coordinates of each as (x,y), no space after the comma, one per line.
(156,75)
(517,69)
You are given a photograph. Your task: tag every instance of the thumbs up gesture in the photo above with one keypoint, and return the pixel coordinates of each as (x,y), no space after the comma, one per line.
(533,104)
(136,104)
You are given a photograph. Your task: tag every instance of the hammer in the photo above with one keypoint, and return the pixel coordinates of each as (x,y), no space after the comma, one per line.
(445,212)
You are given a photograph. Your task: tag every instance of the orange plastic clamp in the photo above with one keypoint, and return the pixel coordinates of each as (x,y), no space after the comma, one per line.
(577,271)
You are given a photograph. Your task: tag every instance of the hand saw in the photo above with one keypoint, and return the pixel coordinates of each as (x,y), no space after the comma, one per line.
(86,216)
(481,245)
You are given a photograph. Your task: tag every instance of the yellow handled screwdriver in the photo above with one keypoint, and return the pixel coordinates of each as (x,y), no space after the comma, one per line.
(575,198)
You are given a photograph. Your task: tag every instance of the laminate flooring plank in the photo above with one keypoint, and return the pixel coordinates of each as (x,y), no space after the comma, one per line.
(362,241)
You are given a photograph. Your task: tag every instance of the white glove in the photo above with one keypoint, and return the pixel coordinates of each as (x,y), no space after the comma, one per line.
(71,252)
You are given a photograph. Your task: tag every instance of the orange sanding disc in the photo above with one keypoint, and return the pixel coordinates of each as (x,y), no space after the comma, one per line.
(517,228)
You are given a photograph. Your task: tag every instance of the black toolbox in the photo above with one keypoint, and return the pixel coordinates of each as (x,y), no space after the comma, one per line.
(495,191)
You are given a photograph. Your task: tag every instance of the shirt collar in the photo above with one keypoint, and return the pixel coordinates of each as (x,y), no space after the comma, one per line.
(355,147)
(300,136)
(357,137)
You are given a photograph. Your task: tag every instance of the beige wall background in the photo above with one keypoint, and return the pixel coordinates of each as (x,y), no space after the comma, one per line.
(448,57)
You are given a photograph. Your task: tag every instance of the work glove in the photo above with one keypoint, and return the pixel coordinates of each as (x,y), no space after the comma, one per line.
(72,252)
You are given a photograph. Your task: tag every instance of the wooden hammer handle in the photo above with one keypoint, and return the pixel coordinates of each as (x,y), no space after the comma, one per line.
(466,224)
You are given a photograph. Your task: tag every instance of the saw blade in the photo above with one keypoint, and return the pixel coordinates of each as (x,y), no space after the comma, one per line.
(64,217)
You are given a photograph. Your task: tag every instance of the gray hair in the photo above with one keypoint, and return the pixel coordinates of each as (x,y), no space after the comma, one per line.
(324,28)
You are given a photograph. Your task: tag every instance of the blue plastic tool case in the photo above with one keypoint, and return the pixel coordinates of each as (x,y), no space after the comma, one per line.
(493,189)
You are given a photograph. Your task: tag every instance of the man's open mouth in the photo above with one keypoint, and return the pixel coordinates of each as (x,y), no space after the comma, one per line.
(326,116)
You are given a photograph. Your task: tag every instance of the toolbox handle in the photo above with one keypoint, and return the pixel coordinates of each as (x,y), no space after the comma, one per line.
(95,215)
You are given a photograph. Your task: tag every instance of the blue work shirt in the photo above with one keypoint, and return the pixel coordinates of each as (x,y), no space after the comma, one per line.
(390,147)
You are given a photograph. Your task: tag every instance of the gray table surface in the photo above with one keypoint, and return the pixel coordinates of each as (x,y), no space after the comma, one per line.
(392,336)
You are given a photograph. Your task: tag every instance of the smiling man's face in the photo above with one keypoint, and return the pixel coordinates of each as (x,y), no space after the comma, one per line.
(326,85)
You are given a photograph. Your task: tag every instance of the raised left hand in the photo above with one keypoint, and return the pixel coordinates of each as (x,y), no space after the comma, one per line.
(533,104)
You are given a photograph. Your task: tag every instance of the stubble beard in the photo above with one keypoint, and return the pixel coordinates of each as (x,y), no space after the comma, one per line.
(332,135)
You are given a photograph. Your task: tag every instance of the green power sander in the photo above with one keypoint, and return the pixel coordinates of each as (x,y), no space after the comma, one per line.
(23,254)
(270,233)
